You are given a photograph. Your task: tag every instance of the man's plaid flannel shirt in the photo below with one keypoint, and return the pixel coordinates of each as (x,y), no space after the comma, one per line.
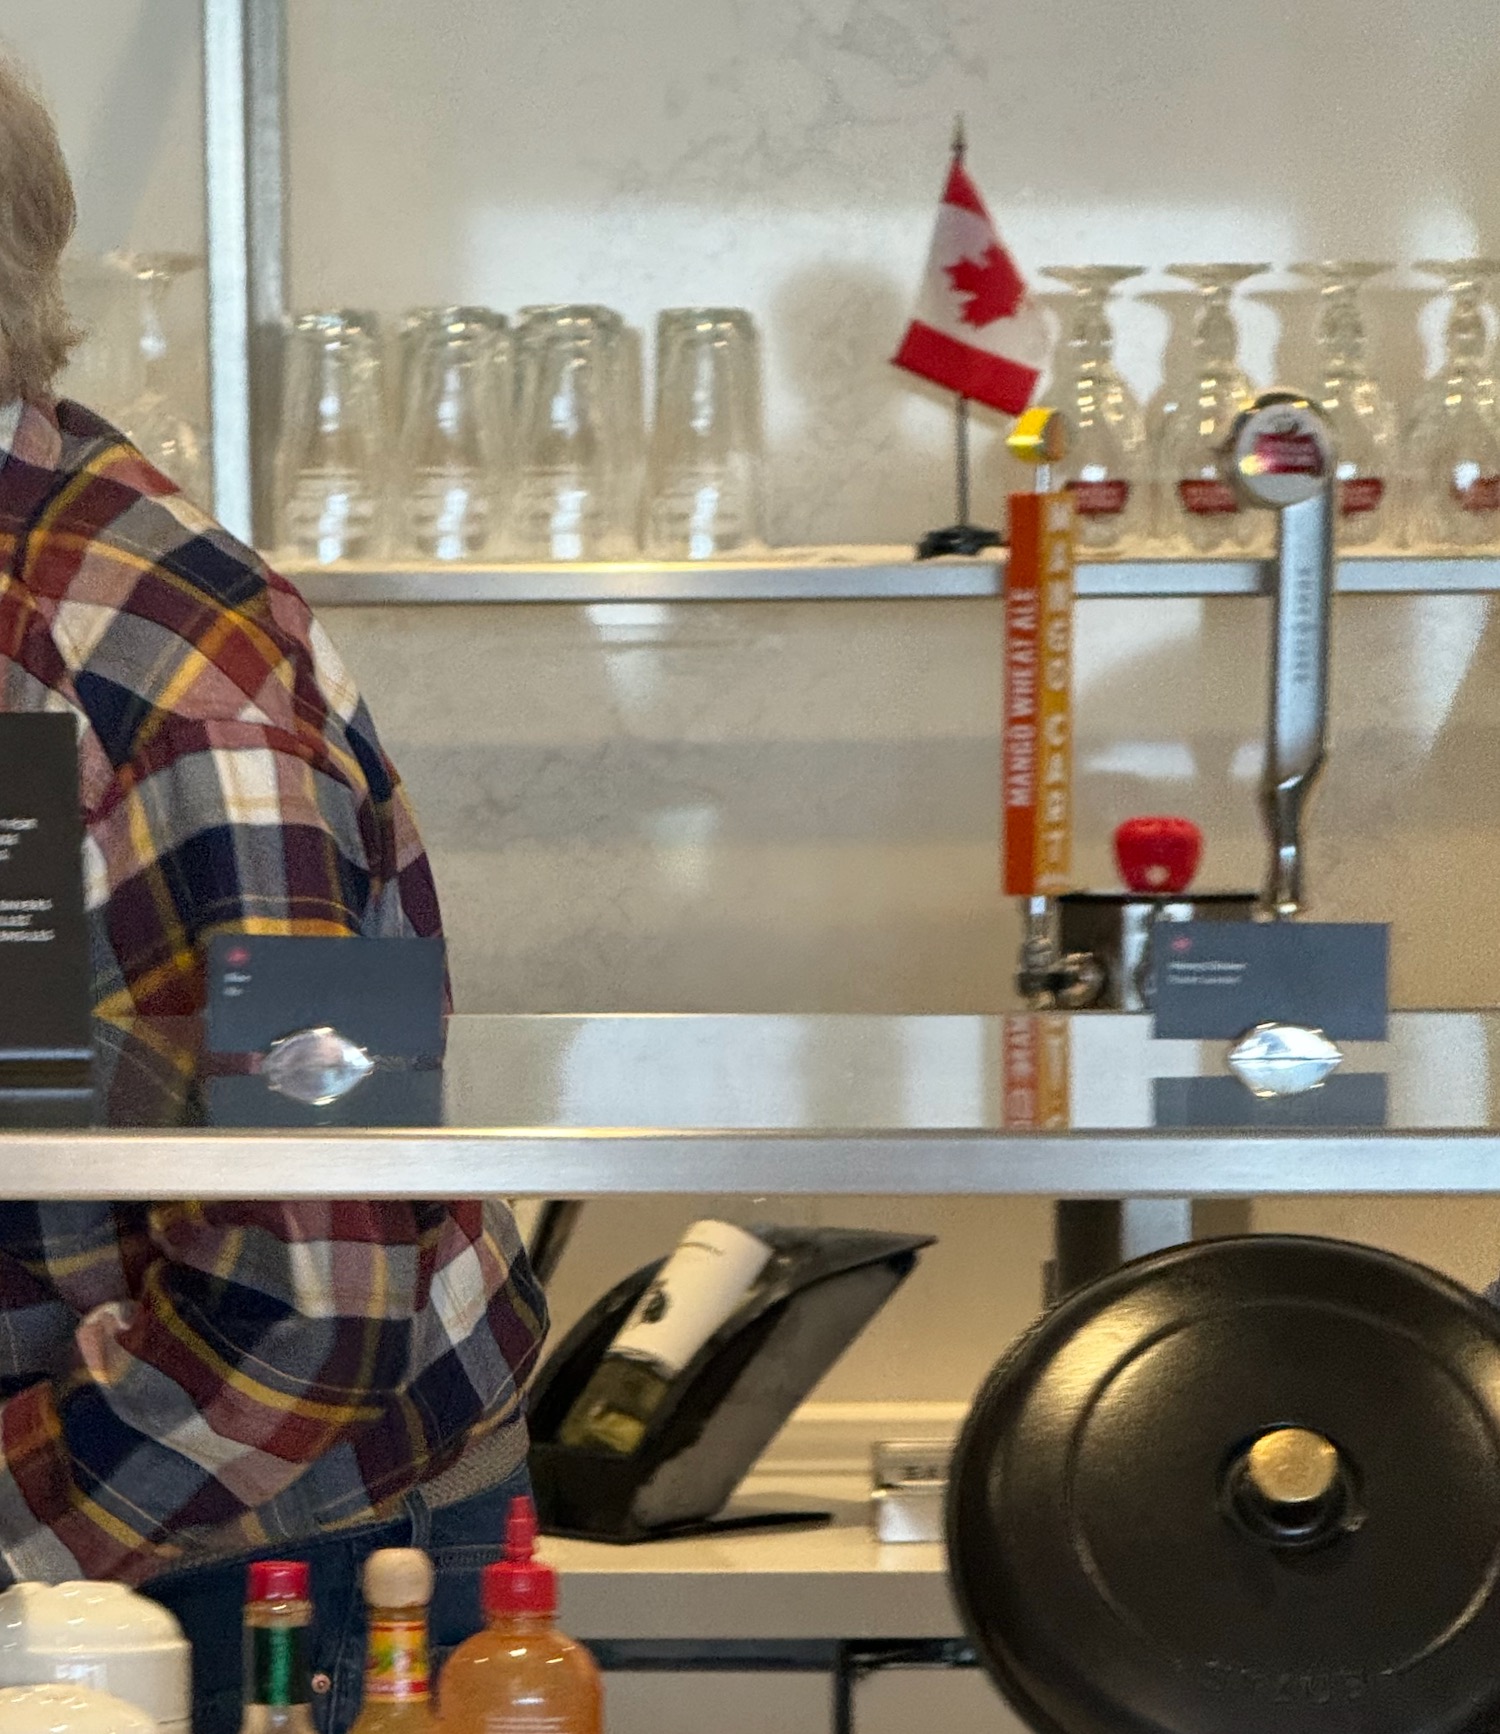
(184,1380)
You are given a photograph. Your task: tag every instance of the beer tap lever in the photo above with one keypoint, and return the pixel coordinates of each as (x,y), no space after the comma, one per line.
(1280,457)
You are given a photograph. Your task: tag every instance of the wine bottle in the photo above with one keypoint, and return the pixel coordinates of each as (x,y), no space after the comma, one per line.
(713,1268)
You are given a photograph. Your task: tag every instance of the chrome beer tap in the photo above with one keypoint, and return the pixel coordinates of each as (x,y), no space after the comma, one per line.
(1091,949)
(1280,457)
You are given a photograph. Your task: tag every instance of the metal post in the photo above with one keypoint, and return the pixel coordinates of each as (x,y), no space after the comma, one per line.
(244,132)
(1153,1224)
(1093,1236)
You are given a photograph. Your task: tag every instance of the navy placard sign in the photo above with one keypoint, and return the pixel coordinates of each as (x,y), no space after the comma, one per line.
(1221,978)
(388,995)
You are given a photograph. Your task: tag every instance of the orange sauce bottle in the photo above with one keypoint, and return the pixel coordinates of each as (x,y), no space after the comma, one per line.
(398,1587)
(520,1675)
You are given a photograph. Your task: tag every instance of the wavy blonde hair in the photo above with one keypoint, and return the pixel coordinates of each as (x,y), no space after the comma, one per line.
(37,214)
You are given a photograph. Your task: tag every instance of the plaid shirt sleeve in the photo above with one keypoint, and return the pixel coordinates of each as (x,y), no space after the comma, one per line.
(186,1378)
(231,776)
(282,1368)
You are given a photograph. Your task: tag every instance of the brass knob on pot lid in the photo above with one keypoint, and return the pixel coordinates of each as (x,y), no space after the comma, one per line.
(1292,1467)
(1291,1490)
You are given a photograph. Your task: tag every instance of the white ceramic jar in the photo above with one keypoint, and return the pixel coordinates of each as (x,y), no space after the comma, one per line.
(100,1635)
(68,1709)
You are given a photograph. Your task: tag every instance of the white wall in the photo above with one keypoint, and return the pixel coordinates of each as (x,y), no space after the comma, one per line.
(779,807)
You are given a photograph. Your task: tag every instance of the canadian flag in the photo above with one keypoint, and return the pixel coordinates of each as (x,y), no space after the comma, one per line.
(975,331)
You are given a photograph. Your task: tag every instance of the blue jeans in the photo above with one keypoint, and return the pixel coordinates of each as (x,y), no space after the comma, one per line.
(209,1601)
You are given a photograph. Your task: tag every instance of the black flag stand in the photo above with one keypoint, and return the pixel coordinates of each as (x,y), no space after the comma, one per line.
(962,537)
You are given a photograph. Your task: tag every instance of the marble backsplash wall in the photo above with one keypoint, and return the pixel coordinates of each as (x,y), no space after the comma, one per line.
(785,155)
(793,806)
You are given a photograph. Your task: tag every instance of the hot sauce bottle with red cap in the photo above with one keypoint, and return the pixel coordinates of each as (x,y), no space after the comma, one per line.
(520,1675)
(278,1613)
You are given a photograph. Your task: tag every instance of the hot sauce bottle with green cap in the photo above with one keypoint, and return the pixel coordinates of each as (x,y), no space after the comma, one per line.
(278,1689)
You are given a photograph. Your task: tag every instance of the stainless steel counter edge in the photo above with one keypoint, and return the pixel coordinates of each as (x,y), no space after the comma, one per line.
(876,574)
(583,1163)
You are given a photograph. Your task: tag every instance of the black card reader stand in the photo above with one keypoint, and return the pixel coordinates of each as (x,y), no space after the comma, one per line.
(45,1010)
(820,1290)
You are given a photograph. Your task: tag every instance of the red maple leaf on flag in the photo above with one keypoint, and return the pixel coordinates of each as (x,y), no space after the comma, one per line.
(991,283)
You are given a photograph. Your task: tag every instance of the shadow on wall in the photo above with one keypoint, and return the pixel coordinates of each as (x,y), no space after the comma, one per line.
(833,330)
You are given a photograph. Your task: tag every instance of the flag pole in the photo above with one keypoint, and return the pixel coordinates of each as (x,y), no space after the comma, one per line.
(961,422)
(961,458)
(962,537)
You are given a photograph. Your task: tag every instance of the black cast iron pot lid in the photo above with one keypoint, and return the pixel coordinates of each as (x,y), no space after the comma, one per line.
(1247,1486)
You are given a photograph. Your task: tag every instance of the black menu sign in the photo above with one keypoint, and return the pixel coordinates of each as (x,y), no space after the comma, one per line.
(1221,978)
(44,954)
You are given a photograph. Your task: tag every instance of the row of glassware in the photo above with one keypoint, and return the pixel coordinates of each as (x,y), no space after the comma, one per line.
(462,435)
(1429,479)
(459,435)
(466,437)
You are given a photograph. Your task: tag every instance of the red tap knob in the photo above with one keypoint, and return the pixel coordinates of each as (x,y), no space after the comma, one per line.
(1158,854)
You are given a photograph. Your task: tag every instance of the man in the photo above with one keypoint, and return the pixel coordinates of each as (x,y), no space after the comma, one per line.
(183,1383)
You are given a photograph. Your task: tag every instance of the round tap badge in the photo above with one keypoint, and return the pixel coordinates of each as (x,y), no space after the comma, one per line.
(1280,452)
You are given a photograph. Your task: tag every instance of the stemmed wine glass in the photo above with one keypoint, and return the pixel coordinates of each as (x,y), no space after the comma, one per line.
(1362,420)
(1454,439)
(166,437)
(1197,503)
(1103,468)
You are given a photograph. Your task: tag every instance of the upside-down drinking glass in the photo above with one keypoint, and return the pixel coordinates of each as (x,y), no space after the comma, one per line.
(451,456)
(576,452)
(704,476)
(164,435)
(1364,431)
(330,468)
(1454,441)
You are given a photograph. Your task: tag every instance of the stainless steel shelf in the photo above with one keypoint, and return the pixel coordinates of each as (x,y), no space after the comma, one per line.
(559,1106)
(844,575)
(595,1163)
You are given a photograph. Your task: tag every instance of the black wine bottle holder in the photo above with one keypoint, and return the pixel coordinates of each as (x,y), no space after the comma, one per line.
(727,1404)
